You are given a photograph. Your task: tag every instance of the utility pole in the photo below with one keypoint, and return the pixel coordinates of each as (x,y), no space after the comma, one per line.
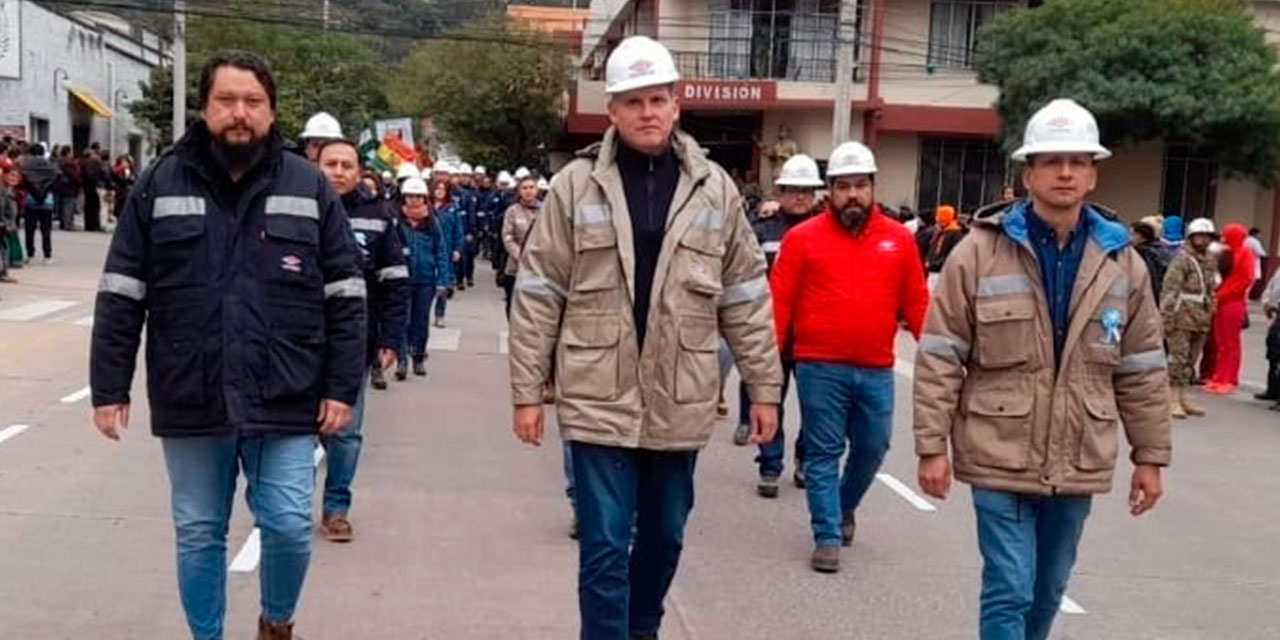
(179,69)
(325,13)
(846,41)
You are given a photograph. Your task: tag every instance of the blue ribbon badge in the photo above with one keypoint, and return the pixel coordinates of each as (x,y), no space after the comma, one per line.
(1111,321)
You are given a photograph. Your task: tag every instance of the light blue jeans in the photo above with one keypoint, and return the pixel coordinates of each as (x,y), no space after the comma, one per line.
(280,474)
(1028,546)
(342,453)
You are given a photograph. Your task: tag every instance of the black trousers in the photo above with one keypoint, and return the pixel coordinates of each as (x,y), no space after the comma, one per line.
(42,218)
(92,209)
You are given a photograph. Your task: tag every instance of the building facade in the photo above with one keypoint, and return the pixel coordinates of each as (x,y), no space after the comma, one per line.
(68,78)
(761,78)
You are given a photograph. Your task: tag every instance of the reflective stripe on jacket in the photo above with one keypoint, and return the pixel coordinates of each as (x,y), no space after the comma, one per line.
(985,383)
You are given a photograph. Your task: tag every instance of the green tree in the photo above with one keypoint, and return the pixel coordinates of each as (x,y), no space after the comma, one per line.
(314,71)
(154,110)
(494,89)
(1195,72)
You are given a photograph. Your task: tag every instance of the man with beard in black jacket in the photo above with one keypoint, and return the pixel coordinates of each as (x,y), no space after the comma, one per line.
(239,260)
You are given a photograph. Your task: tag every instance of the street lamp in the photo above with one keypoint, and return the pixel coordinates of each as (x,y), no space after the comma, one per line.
(56,73)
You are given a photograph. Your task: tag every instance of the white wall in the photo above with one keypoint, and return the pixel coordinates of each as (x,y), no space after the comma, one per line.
(904,79)
(95,61)
(898,164)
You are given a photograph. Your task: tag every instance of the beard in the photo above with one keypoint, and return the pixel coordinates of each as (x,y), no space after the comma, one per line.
(239,154)
(852,216)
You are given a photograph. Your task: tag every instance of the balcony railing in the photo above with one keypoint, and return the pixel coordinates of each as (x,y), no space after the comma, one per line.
(736,59)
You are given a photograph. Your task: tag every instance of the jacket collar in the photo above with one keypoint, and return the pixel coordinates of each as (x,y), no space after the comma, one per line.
(1105,231)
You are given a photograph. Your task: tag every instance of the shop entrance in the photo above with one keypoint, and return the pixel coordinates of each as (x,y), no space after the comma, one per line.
(730,140)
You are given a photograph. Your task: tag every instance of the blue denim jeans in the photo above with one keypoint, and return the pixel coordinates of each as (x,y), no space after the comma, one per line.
(621,585)
(772,453)
(567,459)
(342,452)
(442,304)
(280,474)
(419,331)
(842,405)
(1028,546)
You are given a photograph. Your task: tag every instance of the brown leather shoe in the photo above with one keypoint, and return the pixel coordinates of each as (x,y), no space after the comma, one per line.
(337,528)
(269,631)
(826,559)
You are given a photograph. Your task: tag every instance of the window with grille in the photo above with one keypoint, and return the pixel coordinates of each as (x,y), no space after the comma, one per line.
(783,39)
(953,29)
(1190,184)
(965,173)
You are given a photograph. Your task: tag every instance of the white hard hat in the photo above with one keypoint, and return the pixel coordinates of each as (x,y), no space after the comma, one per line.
(522,173)
(386,175)
(322,126)
(426,173)
(799,171)
(481,170)
(443,167)
(1062,126)
(505,179)
(543,185)
(414,186)
(464,168)
(1201,225)
(639,62)
(406,170)
(851,159)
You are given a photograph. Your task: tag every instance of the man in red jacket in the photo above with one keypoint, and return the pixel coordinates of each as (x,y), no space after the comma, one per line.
(841,282)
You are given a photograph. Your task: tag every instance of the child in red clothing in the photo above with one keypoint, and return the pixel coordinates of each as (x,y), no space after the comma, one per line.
(1232,307)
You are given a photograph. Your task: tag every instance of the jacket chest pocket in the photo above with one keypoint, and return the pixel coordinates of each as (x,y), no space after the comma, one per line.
(178,250)
(596,268)
(290,254)
(1006,333)
(589,357)
(697,363)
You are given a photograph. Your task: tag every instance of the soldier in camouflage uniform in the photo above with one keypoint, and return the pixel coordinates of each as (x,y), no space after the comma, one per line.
(1187,305)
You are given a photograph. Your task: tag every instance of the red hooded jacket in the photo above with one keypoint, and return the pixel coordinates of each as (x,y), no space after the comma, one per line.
(840,295)
(1236,285)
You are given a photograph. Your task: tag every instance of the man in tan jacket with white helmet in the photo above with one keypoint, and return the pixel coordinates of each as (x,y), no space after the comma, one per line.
(1042,339)
(639,262)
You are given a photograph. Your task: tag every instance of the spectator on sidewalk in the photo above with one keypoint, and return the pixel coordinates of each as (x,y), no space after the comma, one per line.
(67,188)
(92,176)
(1187,306)
(1271,304)
(1157,256)
(1233,309)
(11,181)
(8,216)
(944,241)
(1254,242)
(39,176)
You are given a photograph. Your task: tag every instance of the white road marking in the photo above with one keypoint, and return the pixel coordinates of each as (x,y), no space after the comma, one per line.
(1071,606)
(32,310)
(905,492)
(444,340)
(12,430)
(904,368)
(86,321)
(251,553)
(76,396)
(504,342)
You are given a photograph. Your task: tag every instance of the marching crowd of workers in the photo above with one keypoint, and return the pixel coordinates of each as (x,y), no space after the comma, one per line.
(633,280)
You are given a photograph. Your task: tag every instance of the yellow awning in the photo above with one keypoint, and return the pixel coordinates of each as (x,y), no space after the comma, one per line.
(88,100)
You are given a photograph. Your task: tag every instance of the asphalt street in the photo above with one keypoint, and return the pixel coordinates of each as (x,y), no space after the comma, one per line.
(461,531)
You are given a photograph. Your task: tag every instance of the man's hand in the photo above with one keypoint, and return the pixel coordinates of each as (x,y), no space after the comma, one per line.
(334,415)
(764,423)
(769,208)
(457,255)
(934,475)
(529,423)
(387,358)
(1146,490)
(111,419)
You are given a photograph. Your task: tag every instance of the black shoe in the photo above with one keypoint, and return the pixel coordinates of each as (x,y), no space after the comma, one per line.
(798,476)
(378,380)
(767,487)
(402,371)
(1275,406)
(1268,396)
(848,526)
(420,367)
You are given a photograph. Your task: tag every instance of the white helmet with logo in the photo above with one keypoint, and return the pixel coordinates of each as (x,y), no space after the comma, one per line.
(407,170)
(505,180)
(1062,126)
(543,185)
(851,159)
(414,186)
(522,173)
(639,62)
(464,169)
(426,173)
(322,126)
(480,170)
(799,171)
(1201,225)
